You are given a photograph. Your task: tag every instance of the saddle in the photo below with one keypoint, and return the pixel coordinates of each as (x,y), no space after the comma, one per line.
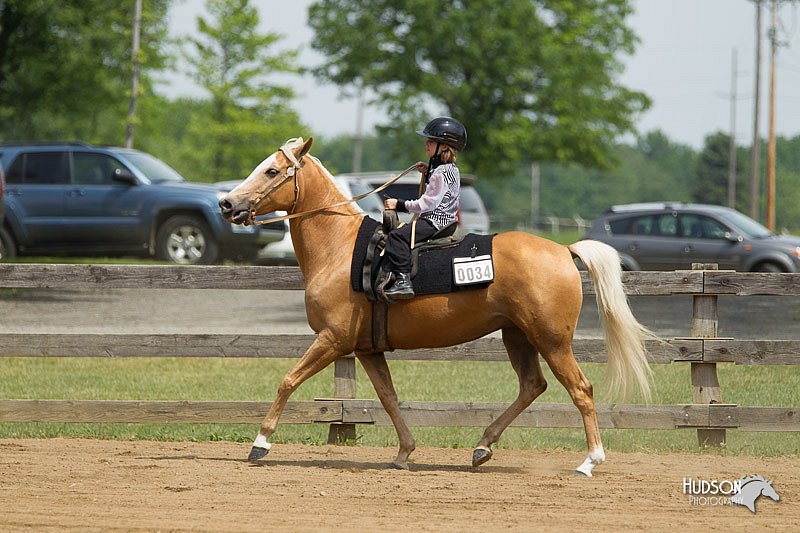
(441,264)
(375,284)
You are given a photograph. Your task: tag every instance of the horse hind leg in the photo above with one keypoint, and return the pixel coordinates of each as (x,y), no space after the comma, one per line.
(378,371)
(562,362)
(525,361)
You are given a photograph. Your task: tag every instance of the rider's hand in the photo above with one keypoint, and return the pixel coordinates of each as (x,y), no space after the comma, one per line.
(422,168)
(390,203)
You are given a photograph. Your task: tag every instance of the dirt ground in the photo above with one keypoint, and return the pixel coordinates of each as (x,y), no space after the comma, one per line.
(94,485)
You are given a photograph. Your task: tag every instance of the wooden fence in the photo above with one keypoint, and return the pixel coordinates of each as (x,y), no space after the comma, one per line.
(702,349)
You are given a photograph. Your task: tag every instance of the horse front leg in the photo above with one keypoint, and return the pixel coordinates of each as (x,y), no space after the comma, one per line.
(378,371)
(319,355)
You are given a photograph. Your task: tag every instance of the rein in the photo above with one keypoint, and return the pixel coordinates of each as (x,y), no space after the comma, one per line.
(291,172)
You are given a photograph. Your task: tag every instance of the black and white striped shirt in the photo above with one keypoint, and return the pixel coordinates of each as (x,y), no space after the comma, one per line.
(440,201)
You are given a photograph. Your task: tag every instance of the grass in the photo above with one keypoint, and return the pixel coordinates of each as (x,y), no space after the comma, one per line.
(253,379)
(562,237)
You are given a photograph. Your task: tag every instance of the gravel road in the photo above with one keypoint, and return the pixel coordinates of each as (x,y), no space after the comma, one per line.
(270,312)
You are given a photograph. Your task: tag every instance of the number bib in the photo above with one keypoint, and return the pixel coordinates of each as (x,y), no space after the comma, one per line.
(471,270)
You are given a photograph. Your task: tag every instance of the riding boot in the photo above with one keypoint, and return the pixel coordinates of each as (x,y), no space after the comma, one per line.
(401,289)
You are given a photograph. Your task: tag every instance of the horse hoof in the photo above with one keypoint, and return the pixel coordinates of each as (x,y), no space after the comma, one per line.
(398,466)
(582,473)
(480,455)
(257,453)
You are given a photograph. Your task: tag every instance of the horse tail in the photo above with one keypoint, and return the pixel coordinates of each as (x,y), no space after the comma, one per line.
(625,336)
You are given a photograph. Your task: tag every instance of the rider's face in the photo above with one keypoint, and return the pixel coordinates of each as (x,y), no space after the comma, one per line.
(430,147)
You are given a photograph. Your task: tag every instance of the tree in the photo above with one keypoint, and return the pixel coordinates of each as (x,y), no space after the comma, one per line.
(337,154)
(663,168)
(246,115)
(531,80)
(787,205)
(65,66)
(711,182)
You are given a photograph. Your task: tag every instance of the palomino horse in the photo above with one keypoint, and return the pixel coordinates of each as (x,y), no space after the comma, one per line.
(535,301)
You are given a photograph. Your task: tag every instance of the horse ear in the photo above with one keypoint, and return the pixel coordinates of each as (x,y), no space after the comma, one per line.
(300,151)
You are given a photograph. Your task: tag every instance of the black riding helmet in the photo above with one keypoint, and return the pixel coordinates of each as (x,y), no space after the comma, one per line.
(447,131)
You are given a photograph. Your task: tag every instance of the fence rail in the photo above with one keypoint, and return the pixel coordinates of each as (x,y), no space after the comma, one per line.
(702,349)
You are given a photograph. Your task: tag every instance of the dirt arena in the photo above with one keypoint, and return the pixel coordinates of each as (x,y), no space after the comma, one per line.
(94,485)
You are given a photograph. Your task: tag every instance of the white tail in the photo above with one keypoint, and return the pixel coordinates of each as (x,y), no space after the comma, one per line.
(625,336)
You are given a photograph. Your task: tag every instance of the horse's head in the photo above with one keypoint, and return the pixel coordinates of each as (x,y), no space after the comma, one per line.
(271,186)
(769,491)
(751,488)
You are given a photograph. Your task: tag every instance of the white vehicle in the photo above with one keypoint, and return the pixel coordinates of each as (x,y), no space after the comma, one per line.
(472,217)
(282,252)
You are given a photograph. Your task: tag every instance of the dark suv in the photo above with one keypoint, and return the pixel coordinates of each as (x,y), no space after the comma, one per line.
(89,200)
(672,236)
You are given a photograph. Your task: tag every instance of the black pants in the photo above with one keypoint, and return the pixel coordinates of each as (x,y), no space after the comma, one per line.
(398,245)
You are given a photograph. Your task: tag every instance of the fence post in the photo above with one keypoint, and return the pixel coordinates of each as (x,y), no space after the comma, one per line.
(705,383)
(344,387)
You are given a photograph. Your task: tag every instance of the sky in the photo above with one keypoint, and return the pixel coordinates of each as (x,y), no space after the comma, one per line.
(683,63)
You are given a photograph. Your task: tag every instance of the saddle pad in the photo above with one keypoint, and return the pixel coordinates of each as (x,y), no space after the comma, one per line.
(435,268)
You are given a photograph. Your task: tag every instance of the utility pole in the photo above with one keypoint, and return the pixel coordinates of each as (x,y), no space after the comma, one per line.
(773,37)
(535,194)
(358,140)
(755,155)
(137,19)
(732,142)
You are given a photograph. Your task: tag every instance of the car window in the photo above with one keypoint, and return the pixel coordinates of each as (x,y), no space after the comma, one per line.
(470,200)
(16,170)
(746,224)
(701,227)
(93,169)
(652,225)
(402,191)
(40,168)
(368,203)
(156,170)
(621,226)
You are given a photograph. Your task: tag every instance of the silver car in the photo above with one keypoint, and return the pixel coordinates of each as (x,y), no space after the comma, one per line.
(673,235)
(282,252)
(472,217)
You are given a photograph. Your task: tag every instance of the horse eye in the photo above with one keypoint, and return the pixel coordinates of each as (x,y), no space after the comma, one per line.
(272,172)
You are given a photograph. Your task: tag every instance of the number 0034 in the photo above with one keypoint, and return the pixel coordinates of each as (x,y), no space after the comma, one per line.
(467,270)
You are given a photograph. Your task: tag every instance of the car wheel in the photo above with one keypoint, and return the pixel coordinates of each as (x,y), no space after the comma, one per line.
(186,240)
(768,267)
(8,248)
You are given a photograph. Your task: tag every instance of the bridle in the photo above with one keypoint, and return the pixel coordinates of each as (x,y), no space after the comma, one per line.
(292,172)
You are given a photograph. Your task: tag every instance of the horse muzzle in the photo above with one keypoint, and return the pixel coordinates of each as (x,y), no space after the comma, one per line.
(233,214)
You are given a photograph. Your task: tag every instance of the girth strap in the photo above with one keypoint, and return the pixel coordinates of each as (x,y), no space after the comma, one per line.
(380,327)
